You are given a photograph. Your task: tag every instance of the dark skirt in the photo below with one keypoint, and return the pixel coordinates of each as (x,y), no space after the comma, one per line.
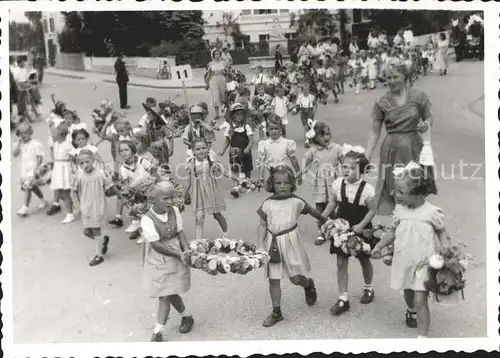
(239,161)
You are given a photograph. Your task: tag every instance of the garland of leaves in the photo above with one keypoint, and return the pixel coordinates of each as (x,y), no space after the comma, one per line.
(205,255)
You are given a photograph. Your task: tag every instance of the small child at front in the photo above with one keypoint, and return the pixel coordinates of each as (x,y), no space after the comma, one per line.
(279,108)
(203,181)
(418,233)
(277,150)
(354,200)
(90,186)
(322,164)
(278,234)
(239,140)
(166,275)
(32,154)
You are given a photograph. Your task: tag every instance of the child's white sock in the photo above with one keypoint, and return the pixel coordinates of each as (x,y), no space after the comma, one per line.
(185,313)
(118,216)
(344,297)
(368,286)
(99,241)
(357,88)
(411,310)
(158,328)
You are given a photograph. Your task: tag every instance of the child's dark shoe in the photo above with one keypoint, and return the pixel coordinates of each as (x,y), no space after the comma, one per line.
(157,337)
(339,307)
(235,192)
(311,294)
(411,321)
(186,324)
(96,260)
(54,209)
(367,296)
(135,235)
(117,222)
(273,319)
(105,245)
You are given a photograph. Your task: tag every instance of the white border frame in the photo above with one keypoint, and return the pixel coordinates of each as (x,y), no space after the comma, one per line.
(246,348)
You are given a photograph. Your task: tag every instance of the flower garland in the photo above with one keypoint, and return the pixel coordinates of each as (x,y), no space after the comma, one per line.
(39,177)
(447,271)
(338,231)
(205,255)
(246,186)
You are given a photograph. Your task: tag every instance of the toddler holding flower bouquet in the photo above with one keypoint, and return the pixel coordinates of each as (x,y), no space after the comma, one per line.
(278,233)
(418,233)
(354,199)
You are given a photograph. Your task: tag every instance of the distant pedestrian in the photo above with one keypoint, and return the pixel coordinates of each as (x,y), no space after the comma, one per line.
(215,81)
(278,59)
(122,80)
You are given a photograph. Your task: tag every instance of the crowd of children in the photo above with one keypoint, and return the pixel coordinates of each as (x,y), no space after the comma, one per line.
(79,176)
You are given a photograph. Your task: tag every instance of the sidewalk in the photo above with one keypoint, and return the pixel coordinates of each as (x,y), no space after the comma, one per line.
(133,81)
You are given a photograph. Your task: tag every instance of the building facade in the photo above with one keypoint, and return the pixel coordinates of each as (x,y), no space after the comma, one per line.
(53,24)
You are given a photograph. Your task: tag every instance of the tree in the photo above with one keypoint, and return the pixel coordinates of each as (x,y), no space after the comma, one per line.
(35,18)
(22,36)
(311,24)
(71,36)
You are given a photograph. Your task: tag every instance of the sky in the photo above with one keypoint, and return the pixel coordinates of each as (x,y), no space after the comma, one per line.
(17,16)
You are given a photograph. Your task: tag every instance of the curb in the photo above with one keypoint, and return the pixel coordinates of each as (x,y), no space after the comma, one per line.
(158,87)
(65,75)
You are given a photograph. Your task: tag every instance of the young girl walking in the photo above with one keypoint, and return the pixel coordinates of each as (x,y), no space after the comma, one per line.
(280,108)
(306,106)
(278,235)
(322,164)
(354,200)
(417,234)
(202,181)
(90,186)
(277,150)
(32,153)
(62,176)
(166,275)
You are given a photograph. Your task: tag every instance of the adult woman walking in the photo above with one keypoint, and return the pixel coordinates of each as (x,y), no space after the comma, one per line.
(215,81)
(442,54)
(405,113)
(278,59)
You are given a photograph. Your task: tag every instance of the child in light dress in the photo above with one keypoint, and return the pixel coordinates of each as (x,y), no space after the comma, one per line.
(322,166)
(355,70)
(202,186)
(258,79)
(372,69)
(166,275)
(62,174)
(32,154)
(277,150)
(280,108)
(278,234)
(90,186)
(418,233)
(354,200)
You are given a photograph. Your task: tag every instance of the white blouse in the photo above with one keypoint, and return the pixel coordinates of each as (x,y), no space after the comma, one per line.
(148,227)
(351,190)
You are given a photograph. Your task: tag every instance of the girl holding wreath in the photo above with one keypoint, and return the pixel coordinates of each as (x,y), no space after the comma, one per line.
(166,275)
(279,235)
(216,81)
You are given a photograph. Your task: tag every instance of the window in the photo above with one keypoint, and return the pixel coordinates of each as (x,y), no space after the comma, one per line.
(45,26)
(52,27)
(284,11)
(265,11)
(263,38)
(292,36)
(246,12)
(356,16)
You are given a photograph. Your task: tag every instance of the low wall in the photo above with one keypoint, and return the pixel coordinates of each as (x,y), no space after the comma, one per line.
(136,66)
(267,62)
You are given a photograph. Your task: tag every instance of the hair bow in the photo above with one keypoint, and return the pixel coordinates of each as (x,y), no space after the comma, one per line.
(349,148)
(399,171)
(311,133)
(78,126)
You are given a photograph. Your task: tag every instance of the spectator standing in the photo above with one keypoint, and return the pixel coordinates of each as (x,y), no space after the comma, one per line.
(122,80)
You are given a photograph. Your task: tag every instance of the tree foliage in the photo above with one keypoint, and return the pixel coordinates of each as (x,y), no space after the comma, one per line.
(70,39)
(312,24)
(30,35)
(135,33)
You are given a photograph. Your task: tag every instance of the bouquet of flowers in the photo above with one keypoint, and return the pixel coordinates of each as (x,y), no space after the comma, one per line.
(205,255)
(376,234)
(177,113)
(39,177)
(447,271)
(246,186)
(100,115)
(232,74)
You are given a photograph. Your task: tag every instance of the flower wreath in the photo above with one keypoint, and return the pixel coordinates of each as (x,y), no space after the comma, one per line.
(205,255)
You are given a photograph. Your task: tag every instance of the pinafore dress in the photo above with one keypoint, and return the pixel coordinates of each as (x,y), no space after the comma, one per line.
(165,275)
(354,214)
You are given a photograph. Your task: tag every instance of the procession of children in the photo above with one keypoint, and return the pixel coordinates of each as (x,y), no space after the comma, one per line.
(142,181)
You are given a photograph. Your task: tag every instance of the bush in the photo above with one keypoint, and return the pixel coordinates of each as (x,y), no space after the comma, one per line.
(163,49)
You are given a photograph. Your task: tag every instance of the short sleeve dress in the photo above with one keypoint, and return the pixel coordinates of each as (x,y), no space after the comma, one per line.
(273,152)
(416,239)
(91,190)
(281,215)
(402,143)
(207,198)
(217,82)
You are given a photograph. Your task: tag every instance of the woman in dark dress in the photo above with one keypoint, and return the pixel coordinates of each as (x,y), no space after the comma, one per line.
(278,59)
(406,114)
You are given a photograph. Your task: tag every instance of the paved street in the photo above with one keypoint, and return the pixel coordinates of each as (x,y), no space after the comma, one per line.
(59,298)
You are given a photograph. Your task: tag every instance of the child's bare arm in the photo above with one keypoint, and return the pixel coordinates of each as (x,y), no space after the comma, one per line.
(226,145)
(331,206)
(261,234)
(307,164)
(183,240)
(17,149)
